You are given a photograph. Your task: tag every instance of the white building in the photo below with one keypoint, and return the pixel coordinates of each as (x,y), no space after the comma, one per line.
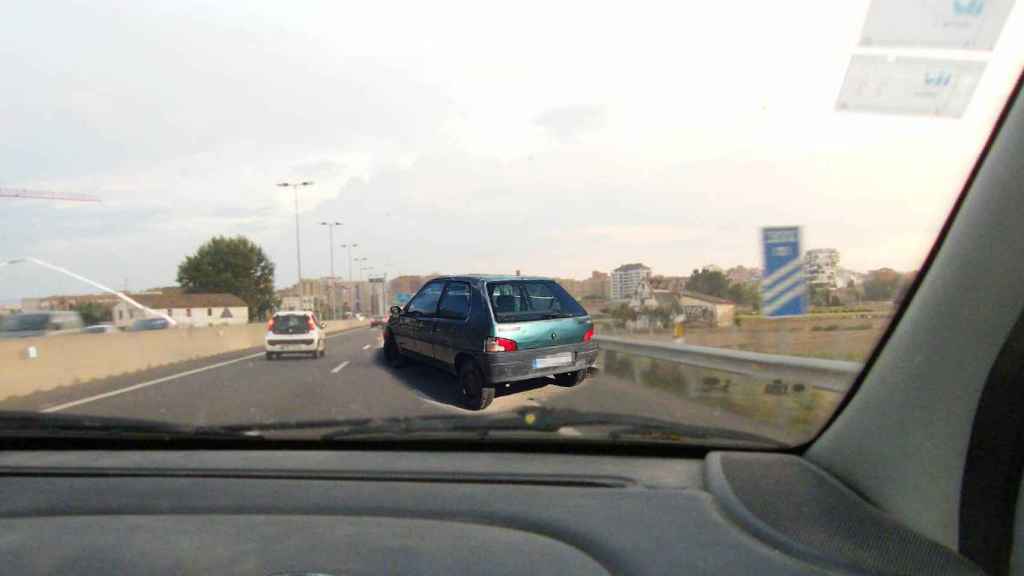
(185,309)
(626,278)
(821,267)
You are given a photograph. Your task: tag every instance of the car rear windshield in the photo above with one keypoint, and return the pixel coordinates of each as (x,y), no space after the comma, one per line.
(291,324)
(530,300)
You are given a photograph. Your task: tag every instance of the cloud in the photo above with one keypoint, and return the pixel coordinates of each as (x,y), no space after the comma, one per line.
(568,123)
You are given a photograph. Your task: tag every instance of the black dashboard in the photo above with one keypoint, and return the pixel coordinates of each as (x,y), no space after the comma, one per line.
(388,512)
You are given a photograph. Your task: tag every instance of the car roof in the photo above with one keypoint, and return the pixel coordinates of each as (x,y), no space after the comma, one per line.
(293,312)
(492,277)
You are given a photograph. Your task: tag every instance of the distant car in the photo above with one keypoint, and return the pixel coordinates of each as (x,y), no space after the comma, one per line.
(295,332)
(493,329)
(47,323)
(378,321)
(146,324)
(99,329)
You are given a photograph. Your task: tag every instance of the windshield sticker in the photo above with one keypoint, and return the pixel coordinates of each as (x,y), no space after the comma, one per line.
(952,24)
(917,86)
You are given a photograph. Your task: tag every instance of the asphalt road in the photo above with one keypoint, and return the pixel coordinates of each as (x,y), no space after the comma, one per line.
(351,381)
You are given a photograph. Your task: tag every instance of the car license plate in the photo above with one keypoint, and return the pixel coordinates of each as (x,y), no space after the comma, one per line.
(563,359)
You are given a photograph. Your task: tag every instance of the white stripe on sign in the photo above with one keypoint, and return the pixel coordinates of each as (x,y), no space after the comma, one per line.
(339,367)
(781,272)
(67,405)
(797,290)
(783,286)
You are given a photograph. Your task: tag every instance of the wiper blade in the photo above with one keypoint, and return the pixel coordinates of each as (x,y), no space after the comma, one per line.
(620,426)
(24,423)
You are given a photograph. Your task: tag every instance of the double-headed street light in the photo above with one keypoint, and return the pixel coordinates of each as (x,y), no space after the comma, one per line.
(298,250)
(360,262)
(350,246)
(330,229)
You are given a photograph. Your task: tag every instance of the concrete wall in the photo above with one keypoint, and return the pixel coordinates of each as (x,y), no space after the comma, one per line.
(76,358)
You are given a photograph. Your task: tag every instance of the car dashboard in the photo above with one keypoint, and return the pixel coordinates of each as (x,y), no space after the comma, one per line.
(420,512)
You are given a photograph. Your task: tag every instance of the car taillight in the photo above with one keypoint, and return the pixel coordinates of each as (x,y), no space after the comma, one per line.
(500,345)
(310,323)
(270,325)
(588,335)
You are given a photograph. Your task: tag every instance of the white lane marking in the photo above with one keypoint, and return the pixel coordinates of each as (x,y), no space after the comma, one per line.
(67,405)
(141,385)
(339,367)
(367,347)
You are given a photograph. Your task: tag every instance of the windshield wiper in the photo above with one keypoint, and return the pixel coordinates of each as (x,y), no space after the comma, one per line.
(541,419)
(38,424)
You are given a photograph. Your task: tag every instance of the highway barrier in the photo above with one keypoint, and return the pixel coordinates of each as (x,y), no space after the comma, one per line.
(833,375)
(30,365)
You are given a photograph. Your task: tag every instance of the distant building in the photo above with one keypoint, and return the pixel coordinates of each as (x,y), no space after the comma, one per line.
(671,283)
(625,279)
(688,307)
(292,303)
(597,286)
(821,267)
(844,277)
(185,309)
(743,275)
(67,302)
(698,307)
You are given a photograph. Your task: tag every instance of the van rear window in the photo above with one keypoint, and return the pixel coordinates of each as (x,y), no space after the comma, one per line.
(529,300)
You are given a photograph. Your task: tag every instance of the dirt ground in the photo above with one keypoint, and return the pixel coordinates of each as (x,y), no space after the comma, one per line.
(832,336)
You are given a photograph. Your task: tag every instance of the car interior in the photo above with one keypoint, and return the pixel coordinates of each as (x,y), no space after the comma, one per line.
(919,471)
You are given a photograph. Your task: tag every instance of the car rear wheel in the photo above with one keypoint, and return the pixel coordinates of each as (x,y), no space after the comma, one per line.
(271,356)
(570,379)
(477,394)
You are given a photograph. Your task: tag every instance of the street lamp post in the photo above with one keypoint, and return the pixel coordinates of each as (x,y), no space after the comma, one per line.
(360,261)
(330,230)
(350,246)
(298,249)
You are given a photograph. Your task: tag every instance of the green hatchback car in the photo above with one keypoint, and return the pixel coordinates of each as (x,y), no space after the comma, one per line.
(487,330)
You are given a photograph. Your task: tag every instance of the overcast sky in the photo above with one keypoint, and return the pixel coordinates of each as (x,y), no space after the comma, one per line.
(461,138)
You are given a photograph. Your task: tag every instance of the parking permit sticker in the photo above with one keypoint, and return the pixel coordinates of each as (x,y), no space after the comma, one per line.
(918,86)
(952,24)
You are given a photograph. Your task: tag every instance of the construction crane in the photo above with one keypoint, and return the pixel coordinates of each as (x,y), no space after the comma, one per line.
(43,195)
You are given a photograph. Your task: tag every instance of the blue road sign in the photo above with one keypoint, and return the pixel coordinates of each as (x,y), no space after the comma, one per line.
(783,287)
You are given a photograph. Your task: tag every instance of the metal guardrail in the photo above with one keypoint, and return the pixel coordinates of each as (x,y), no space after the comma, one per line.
(835,375)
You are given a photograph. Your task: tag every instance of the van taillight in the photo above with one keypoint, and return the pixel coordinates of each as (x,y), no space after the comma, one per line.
(588,335)
(310,323)
(270,325)
(500,345)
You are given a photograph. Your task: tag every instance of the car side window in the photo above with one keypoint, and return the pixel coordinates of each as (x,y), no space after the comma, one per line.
(455,302)
(426,301)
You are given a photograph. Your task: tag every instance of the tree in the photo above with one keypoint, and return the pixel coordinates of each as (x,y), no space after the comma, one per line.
(745,294)
(882,284)
(234,266)
(94,313)
(710,282)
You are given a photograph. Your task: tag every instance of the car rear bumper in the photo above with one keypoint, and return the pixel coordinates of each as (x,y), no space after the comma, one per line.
(513,366)
(285,345)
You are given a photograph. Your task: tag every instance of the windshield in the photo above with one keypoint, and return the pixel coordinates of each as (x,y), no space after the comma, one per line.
(659,223)
(531,300)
